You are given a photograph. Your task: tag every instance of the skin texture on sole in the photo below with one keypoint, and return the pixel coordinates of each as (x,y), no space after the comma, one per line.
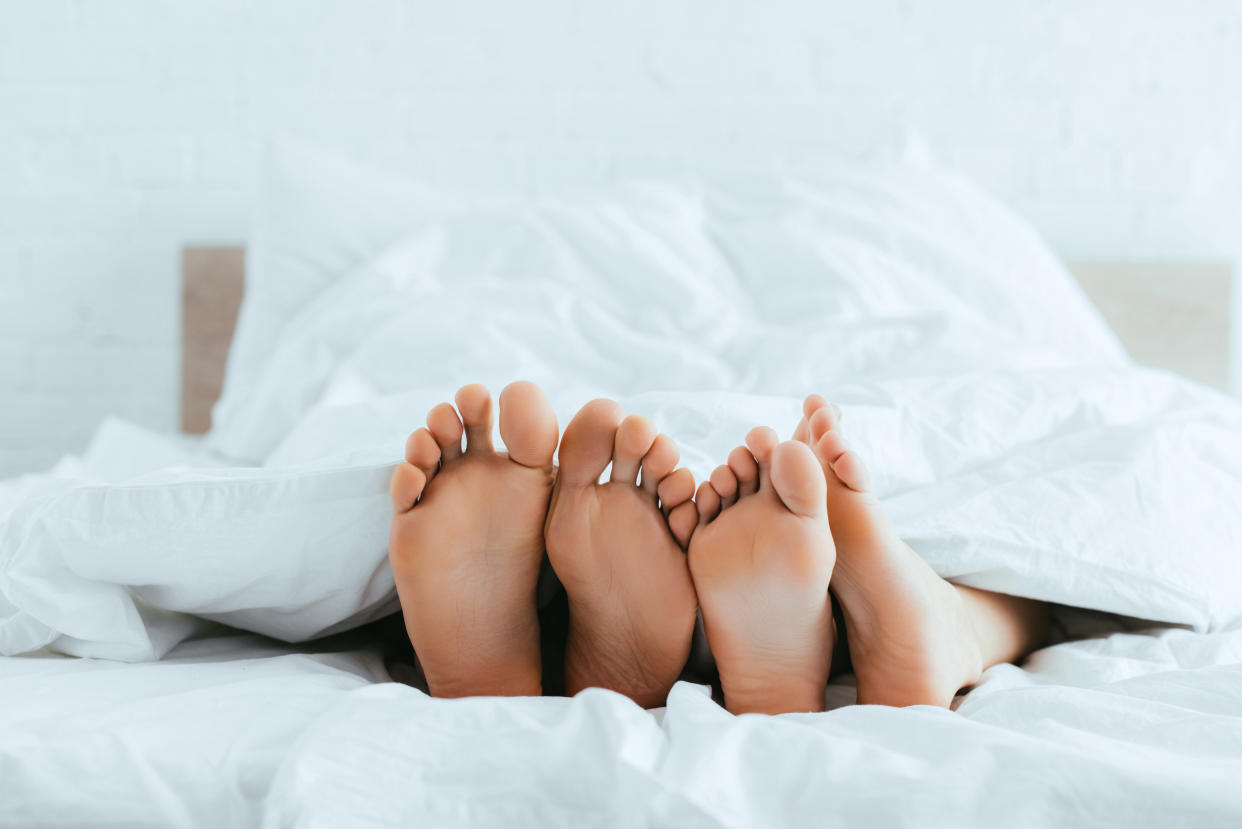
(617,548)
(762,558)
(466,543)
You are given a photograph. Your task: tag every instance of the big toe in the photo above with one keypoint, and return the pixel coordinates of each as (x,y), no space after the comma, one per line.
(528,424)
(798,479)
(587,446)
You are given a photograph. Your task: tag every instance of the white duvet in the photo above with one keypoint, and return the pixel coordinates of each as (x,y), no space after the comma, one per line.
(1016,448)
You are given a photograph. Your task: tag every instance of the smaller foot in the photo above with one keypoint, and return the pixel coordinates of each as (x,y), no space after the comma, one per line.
(910,637)
(467,541)
(762,557)
(618,549)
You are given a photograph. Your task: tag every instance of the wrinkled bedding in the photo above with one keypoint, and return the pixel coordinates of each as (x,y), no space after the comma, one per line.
(1014,444)
(1135,729)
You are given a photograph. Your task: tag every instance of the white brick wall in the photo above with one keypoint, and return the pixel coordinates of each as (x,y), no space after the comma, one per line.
(130,127)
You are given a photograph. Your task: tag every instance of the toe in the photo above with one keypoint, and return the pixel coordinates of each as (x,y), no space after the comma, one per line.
(682,521)
(659,462)
(725,483)
(802,432)
(406,485)
(798,480)
(851,471)
(823,421)
(475,404)
(844,464)
(445,427)
(635,437)
(708,503)
(586,447)
(830,446)
(745,470)
(812,404)
(762,441)
(815,402)
(675,489)
(528,424)
(422,451)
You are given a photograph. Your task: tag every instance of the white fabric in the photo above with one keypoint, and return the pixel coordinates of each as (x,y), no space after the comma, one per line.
(1134,736)
(1010,464)
(1014,445)
(906,244)
(1137,729)
(192,740)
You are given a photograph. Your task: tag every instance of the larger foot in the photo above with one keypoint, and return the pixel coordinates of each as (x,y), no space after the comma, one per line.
(910,637)
(762,557)
(617,548)
(467,541)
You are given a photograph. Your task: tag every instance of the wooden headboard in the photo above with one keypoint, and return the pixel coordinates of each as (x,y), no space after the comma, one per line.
(1171,315)
(212,283)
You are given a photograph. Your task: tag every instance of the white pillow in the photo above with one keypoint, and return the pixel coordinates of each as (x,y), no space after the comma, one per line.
(641,246)
(805,253)
(905,238)
(317,216)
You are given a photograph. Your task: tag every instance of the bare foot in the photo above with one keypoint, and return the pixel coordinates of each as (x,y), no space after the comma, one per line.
(467,541)
(910,637)
(762,557)
(617,548)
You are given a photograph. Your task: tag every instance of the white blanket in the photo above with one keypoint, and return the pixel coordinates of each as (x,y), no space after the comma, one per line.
(1015,447)
(1139,729)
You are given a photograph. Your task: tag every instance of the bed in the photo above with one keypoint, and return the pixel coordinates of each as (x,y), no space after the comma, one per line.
(199,631)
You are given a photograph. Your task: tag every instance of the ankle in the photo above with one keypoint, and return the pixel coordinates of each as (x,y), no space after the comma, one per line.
(1003,628)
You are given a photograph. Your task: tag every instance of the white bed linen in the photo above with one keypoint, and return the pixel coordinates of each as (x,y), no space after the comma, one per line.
(1008,465)
(1015,450)
(192,740)
(1135,729)
(1129,736)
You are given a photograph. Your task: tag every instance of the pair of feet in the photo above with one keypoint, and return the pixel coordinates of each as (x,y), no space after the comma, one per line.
(640,554)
